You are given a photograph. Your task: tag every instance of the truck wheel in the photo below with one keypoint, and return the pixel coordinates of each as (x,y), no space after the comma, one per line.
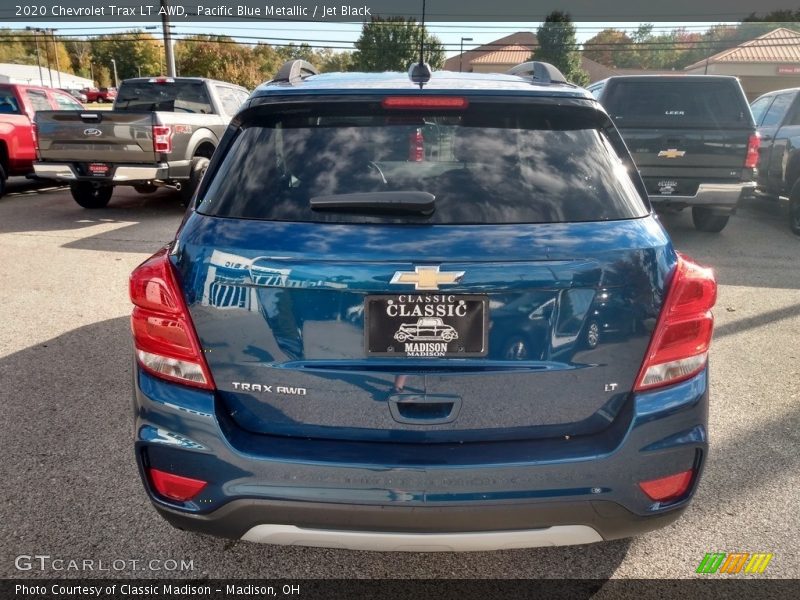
(705,220)
(90,196)
(199,166)
(794,213)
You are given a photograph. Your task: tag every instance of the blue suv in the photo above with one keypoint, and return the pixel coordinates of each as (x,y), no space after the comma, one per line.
(284,392)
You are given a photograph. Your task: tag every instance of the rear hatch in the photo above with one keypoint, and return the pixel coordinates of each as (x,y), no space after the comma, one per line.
(682,131)
(87,136)
(333,301)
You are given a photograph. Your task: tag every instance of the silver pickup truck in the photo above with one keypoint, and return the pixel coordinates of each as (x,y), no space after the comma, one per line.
(162,131)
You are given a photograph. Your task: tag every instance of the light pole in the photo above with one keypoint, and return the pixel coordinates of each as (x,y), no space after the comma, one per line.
(461,53)
(116,79)
(38,60)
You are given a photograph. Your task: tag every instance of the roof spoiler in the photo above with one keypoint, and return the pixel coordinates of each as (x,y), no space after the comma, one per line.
(294,71)
(539,72)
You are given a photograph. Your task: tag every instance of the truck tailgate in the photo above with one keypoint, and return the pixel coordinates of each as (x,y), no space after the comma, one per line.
(96,136)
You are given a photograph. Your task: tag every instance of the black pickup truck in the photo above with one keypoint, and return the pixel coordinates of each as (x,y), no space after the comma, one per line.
(777,117)
(692,137)
(162,131)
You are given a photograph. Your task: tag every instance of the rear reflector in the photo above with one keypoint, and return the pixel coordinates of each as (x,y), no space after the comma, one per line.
(175,487)
(679,346)
(751,161)
(163,335)
(412,102)
(162,139)
(668,488)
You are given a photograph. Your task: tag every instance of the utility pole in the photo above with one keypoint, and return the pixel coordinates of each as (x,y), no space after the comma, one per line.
(116,79)
(165,27)
(55,51)
(38,59)
(461,54)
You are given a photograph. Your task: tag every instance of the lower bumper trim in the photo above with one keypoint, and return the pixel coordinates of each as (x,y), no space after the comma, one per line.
(290,535)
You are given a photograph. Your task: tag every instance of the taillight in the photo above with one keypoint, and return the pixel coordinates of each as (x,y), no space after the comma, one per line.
(162,139)
(416,146)
(751,161)
(668,488)
(175,487)
(35,136)
(163,335)
(679,347)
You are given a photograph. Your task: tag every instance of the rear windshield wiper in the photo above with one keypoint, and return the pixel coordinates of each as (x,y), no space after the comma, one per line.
(422,203)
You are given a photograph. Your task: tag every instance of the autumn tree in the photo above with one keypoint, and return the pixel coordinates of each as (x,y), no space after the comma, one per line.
(558,46)
(220,57)
(392,44)
(136,53)
(611,47)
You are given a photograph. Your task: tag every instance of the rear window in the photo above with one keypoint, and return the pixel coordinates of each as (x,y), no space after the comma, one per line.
(496,163)
(177,96)
(8,102)
(678,103)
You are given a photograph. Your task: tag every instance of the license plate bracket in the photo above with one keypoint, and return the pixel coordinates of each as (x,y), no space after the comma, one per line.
(426,325)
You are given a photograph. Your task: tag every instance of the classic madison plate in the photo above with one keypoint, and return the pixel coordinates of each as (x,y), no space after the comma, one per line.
(426,325)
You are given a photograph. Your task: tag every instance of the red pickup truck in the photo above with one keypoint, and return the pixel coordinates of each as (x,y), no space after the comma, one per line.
(100,95)
(18,104)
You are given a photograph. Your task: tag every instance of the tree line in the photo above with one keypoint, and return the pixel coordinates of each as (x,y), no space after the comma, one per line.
(385,44)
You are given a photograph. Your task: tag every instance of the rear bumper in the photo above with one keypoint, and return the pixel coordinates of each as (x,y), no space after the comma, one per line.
(120,174)
(385,496)
(721,198)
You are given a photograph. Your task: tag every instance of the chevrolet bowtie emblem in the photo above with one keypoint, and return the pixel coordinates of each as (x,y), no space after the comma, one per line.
(427,278)
(671,153)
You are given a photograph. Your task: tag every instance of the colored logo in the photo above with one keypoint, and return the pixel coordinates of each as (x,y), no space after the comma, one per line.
(672,153)
(735,562)
(427,278)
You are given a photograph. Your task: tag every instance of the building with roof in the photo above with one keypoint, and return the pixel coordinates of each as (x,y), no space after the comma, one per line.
(766,63)
(500,55)
(30,75)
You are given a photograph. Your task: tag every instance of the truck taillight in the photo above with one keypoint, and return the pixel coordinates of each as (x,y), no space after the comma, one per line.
(162,139)
(751,160)
(163,335)
(679,346)
(416,146)
(35,135)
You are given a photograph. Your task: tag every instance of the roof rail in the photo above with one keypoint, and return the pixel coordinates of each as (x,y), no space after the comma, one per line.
(294,71)
(539,72)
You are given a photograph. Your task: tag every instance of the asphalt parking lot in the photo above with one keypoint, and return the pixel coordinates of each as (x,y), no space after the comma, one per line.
(68,483)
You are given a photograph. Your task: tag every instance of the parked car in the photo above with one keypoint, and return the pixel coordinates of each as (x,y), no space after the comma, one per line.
(76,93)
(18,105)
(777,116)
(100,95)
(692,137)
(161,132)
(273,400)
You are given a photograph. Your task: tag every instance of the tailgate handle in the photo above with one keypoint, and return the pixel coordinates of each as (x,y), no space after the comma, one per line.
(424,409)
(91,117)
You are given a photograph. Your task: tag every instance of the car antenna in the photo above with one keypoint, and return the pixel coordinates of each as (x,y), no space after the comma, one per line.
(421,72)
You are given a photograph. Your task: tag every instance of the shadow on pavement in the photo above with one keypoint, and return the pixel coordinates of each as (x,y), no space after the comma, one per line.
(70,486)
(756,249)
(132,222)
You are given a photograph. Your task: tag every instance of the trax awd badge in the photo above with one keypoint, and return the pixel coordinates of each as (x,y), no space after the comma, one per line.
(269,389)
(427,278)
